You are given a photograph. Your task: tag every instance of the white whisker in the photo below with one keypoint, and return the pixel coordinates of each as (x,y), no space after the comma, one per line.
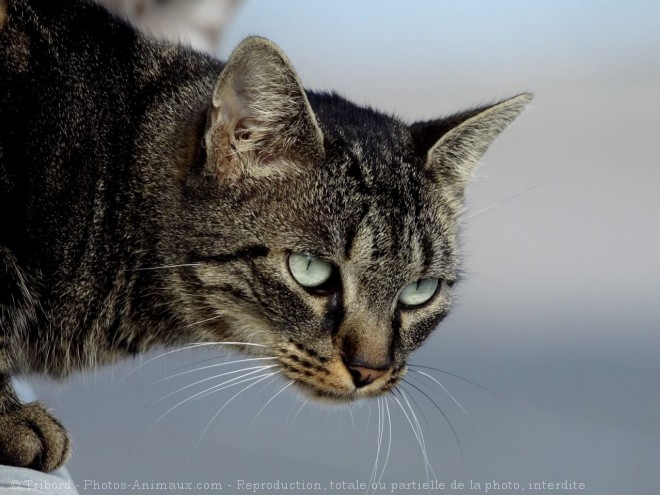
(389,441)
(350,413)
(264,387)
(419,429)
(211,366)
(453,430)
(212,391)
(443,388)
(213,358)
(500,203)
(299,409)
(190,346)
(419,441)
(448,373)
(197,395)
(203,321)
(164,267)
(256,368)
(379,442)
(227,403)
(366,428)
(282,389)
(379,436)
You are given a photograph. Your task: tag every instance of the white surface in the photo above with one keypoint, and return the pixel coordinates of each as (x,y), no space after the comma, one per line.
(21,481)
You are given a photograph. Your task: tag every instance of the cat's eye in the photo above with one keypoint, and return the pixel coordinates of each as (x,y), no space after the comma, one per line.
(419,292)
(309,271)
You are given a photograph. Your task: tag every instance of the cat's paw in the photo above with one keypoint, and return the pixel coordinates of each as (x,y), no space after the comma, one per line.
(31,437)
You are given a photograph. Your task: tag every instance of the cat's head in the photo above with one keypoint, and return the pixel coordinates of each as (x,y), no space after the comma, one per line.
(324,231)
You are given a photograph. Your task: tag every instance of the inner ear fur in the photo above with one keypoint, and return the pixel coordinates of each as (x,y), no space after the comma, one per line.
(260,110)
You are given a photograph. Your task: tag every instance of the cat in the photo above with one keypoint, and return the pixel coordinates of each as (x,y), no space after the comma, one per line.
(151,195)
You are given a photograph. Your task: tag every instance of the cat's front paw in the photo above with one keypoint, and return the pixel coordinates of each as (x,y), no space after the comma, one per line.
(31,437)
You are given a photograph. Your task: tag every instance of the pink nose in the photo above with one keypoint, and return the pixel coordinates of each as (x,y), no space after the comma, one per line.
(364,376)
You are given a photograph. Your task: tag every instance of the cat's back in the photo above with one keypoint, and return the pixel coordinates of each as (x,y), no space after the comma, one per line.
(70,68)
(77,86)
(82,96)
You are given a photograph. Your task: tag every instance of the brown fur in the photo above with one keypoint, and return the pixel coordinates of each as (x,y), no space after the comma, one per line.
(3,13)
(153,196)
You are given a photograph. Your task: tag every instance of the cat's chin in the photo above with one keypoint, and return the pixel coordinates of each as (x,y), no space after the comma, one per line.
(340,397)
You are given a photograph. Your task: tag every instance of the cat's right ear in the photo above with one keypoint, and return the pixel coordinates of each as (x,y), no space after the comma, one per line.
(260,119)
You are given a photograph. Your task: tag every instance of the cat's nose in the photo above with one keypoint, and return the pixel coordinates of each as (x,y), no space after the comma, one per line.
(364,376)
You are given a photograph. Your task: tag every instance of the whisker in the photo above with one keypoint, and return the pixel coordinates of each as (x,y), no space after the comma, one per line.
(292,407)
(264,387)
(210,366)
(256,368)
(417,437)
(460,447)
(443,388)
(190,346)
(382,422)
(282,389)
(460,378)
(298,411)
(212,391)
(203,321)
(192,397)
(421,411)
(350,413)
(411,426)
(228,402)
(419,429)
(366,428)
(389,441)
(212,358)
(500,203)
(164,267)
(379,430)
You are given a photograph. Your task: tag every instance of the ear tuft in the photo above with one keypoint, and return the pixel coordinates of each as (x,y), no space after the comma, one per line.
(260,108)
(454,145)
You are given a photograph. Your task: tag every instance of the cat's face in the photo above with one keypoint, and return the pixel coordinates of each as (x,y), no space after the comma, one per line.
(323,232)
(329,267)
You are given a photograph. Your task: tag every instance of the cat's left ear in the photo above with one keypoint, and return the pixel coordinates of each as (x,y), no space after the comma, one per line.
(261,115)
(452,146)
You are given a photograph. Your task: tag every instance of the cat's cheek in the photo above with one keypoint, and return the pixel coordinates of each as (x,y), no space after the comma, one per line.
(246,327)
(418,332)
(418,324)
(332,380)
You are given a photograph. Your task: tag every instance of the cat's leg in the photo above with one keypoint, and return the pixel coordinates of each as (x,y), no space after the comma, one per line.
(29,435)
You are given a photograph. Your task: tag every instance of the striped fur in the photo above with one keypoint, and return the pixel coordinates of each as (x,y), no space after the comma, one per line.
(150,196)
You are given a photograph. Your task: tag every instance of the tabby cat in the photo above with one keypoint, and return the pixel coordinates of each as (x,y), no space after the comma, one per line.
(152,196)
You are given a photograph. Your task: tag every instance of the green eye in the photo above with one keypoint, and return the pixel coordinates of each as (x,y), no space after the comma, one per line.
(308,270)
(419,292)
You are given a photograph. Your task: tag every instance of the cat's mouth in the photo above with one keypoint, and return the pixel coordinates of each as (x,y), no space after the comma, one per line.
(328,379)
(326,394)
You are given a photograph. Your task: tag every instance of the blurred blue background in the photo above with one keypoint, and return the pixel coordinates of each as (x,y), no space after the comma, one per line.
(559,312)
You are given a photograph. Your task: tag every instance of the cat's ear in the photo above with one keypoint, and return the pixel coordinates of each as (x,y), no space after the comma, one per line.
(452,146)
(260,113)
